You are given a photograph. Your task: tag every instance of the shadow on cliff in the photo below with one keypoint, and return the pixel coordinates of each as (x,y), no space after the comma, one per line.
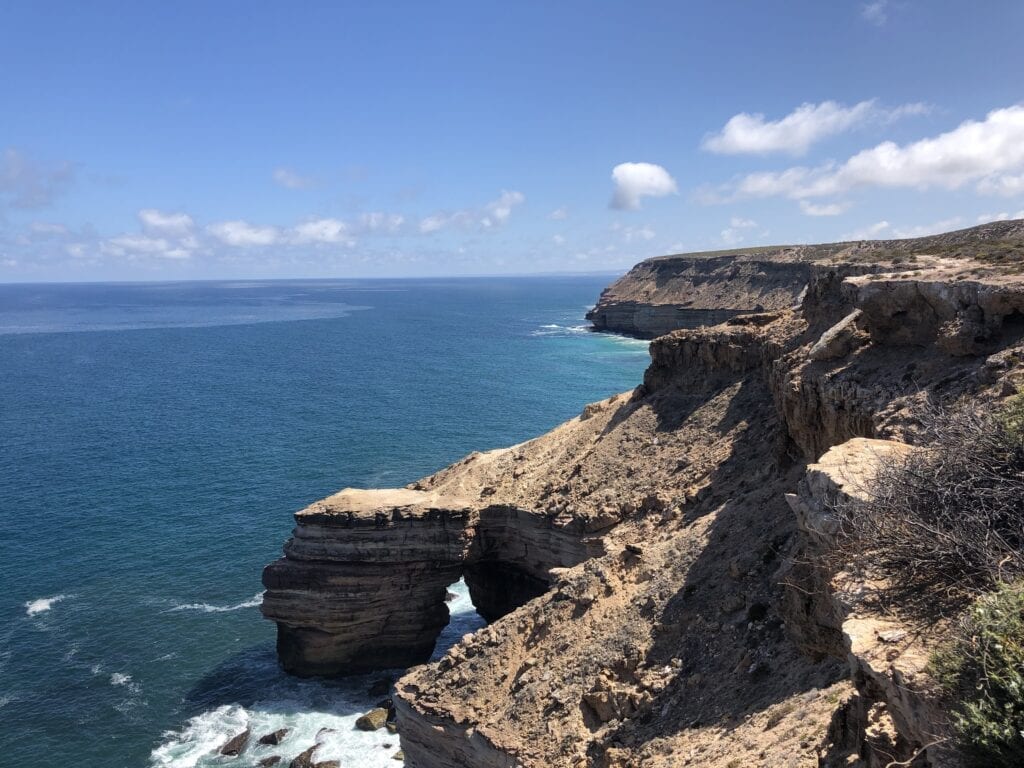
(721,632)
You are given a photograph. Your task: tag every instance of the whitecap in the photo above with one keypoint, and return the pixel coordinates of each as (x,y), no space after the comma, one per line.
(252,602)
(125,680)
(43,604)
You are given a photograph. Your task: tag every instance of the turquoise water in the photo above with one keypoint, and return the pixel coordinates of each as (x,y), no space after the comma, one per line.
(154,441)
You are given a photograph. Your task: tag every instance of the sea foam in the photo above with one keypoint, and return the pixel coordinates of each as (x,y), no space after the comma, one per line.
(253,602)
(42,605)
(317,713)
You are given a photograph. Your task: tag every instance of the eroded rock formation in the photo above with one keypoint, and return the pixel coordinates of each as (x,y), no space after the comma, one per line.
(653,567)
(363,581)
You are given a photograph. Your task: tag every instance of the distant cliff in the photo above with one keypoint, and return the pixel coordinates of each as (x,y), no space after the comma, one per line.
(691,290)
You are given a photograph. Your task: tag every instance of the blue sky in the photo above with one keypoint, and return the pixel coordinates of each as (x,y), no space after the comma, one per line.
(254,139)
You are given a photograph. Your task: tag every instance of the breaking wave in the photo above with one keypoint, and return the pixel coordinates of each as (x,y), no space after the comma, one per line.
(253,602)
(43,604)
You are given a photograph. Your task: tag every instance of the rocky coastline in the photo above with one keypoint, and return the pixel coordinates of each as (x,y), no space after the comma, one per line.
(652,569)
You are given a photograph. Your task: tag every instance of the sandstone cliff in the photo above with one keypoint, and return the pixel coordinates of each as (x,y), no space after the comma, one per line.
(666,293)
(653,567)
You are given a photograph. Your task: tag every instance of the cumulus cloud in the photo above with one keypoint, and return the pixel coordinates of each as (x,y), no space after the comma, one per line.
(144,245)
(323,231)
(559,214)
(25,184)
(796,132)
(492,214)
(498,211)
(289,179)
(241,233)
(634,181)
(988,152)
(875,12)
(168,223)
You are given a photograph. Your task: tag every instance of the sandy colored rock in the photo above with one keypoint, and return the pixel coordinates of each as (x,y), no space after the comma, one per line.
(372,720)
(652,568)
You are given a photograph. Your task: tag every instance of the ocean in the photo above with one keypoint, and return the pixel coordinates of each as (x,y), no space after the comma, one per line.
(155,440)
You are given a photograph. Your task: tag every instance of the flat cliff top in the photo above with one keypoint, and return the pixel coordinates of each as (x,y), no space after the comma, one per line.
(367,503)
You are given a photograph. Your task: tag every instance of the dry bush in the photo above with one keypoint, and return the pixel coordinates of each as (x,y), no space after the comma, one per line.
(947,522)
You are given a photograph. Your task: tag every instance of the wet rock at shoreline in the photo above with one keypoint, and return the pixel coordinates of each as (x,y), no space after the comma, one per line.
(274,738)
(234,746)
(372,720)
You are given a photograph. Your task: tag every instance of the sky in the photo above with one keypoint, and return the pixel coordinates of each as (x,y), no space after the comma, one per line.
(197,140)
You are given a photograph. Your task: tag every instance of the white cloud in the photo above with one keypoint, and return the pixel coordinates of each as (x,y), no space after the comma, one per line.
(634,181)
(1006,185)
(241,233)
(132,246)
(493,214)
(796,132)
(168,223)
(558,239)
(822,209)
(326,231)
(381,222)
(875,12)
(433,223)
(867,233)
(984,218)
(986,152)
(499,210)
(559,214)
(738,223)
(289,179)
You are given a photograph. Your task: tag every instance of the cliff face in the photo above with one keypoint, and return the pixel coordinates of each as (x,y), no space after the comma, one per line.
(656,562)
(667,293)
(661,295)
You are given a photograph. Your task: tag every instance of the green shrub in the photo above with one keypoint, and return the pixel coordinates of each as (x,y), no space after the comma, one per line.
(1012,416)
(982,673)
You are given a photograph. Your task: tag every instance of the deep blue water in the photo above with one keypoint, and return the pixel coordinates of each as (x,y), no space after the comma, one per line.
(154,441)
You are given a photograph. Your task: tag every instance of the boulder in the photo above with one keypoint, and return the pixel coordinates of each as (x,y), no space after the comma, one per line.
(838,341)
(274,738)
(372,720)
(304,759)
(235,745)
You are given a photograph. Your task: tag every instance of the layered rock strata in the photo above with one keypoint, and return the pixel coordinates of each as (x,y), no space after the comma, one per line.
(668,293)
(655,569)
(363,581)
(690,290)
